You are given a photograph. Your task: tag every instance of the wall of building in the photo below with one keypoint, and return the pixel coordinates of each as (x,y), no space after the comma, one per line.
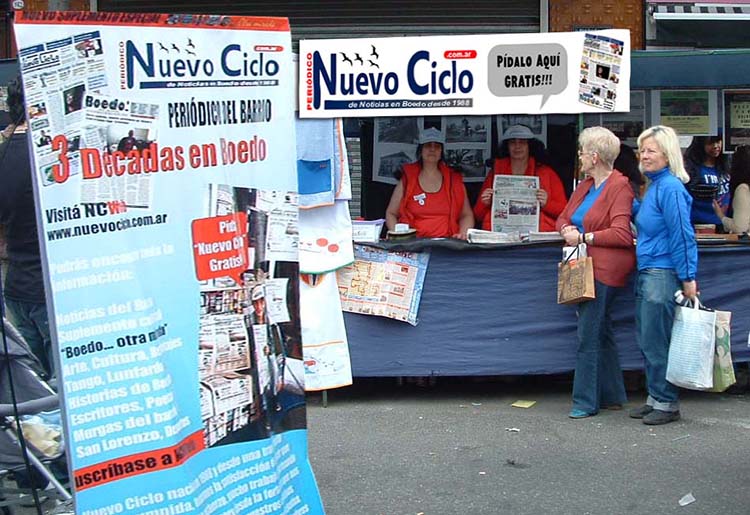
(573,15)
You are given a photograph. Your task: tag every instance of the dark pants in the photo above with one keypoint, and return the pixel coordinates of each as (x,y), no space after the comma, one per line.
(30,318)
(598,376)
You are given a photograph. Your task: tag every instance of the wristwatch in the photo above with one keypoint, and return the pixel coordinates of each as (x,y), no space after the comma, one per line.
(589,238)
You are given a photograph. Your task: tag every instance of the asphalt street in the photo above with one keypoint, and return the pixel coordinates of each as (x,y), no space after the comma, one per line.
(460,448)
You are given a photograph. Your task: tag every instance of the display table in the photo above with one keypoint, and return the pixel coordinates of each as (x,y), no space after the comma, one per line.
(494,312)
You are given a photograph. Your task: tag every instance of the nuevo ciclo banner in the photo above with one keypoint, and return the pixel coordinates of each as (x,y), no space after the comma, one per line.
(167,205)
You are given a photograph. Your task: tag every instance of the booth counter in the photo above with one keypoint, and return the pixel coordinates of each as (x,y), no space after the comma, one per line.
(493,311)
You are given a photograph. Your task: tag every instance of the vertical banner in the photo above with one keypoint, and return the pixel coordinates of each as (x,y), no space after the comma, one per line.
(165,179)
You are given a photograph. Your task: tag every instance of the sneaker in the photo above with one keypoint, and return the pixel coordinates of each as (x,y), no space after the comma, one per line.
(579,413)
(658,417)
(640,411)
(613,407)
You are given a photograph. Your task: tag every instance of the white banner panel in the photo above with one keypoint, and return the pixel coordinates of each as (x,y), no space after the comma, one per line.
(561,72)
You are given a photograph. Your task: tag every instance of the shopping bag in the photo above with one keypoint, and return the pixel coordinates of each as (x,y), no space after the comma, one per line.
(690,362)
(575,279)
(723,369)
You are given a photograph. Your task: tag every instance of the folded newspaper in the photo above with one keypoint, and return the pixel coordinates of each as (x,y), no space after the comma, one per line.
(480,236)
(545,236)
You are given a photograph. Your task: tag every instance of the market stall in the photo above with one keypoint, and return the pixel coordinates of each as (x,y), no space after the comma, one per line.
(493,312)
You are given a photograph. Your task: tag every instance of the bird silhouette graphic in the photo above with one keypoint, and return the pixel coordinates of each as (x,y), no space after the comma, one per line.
(190,43)
(174,47)
(372,63)
(189,52)
(346,59)
(358,58)
(162,47)
(374,52)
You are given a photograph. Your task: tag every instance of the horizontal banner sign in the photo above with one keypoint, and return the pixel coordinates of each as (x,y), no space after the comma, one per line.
(561,72)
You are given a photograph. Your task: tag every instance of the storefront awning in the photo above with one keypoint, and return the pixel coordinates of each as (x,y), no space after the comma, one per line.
(707,24)
(690,69)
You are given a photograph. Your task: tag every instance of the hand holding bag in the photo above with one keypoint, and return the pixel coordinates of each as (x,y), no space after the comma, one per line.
(575,279)
(690,363)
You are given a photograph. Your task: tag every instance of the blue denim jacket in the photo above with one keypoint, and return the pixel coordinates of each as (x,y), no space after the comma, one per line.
(665,236)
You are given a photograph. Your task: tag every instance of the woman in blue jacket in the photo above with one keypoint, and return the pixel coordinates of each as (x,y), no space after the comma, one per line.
(667,257)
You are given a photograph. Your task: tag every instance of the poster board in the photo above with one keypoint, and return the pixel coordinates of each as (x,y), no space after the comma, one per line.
(180,392)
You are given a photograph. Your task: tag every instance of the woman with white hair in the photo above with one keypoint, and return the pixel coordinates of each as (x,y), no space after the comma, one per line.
(667,257)
(598,214)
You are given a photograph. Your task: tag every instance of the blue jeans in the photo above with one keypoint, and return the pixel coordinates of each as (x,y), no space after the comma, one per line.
(30,318)
(598,378)
(654,316)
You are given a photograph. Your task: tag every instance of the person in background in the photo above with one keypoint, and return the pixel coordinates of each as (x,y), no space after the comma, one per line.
(24,284)
(598,214)
(522,154)
(667,257)
(627,164)
(739,188)
(430,196)
(709,180)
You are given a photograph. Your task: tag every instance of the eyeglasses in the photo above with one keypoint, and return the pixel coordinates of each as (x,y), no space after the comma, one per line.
(582,153)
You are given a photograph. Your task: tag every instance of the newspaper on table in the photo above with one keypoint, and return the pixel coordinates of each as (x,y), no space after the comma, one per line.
(481,236)
(383,283)
(514,204)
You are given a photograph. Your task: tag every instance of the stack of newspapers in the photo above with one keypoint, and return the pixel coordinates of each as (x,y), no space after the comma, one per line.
(545,236)
(480,236)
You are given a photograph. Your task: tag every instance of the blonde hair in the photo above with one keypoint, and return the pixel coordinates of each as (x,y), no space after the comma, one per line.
(666,139)
(601,141)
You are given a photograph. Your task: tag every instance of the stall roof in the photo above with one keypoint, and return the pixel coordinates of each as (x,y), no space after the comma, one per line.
(690,69)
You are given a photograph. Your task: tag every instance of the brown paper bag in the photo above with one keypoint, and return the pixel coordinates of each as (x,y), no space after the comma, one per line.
(575,281)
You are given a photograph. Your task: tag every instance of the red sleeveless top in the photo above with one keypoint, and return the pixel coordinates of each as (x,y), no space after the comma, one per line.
(433,215)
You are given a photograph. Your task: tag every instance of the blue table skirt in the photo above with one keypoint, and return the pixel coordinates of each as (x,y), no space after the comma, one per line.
(494,312)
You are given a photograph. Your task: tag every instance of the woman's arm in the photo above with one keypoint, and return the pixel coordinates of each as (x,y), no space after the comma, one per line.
(556,199)
(466,220)
(484,200)
(392,211)
(741,210)
(618,234)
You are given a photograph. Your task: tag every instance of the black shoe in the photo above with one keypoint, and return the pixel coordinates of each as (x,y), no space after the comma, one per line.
(658,417)
(640,411)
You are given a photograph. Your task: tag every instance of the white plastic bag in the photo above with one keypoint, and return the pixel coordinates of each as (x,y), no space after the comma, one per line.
(690,363)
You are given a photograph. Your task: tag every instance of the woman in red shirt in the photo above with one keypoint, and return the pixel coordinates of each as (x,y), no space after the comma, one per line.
(523,152)
(430,197)
(598,214)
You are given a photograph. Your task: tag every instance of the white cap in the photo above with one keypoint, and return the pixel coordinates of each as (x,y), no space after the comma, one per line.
(257,293)
(431,135)
(518,132)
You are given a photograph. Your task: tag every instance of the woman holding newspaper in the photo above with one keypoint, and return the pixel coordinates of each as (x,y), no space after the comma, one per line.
(667,262)
(430,196)
(522,154)
(598,214)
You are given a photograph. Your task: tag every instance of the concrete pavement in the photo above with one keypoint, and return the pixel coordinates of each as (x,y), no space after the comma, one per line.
(453,449)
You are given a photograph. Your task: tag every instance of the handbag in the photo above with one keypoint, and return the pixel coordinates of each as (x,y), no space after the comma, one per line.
(575,279)
(723,369)
(690,362)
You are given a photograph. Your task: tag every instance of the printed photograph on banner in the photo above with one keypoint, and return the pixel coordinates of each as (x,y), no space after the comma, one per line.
(467,129)
(468,144)
(689,112)
(736,119)
(628,126)
(536,122)
(471,162)
(250,350)
(396,148)
(600,71)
